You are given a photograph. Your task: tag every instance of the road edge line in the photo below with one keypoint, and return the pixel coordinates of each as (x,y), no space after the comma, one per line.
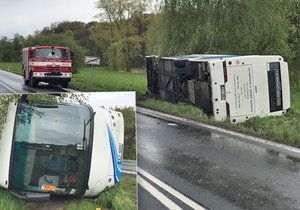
(8,87)
(171,190)
(158,195)
(288,150)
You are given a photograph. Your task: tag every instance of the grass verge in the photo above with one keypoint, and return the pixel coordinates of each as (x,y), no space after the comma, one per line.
(12,67)
(122,196)
(9,202)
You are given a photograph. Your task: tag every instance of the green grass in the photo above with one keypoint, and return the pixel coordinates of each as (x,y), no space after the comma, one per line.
(283,129)
(9,202)
(121,196)
(102,79)
(12,67)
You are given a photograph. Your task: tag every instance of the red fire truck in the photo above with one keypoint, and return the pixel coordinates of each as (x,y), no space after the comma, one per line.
(51,64)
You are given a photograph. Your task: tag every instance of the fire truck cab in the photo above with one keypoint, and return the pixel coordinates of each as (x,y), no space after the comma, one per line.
(51,64)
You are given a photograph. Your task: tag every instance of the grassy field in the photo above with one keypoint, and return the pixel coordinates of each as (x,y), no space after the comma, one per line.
(12,67)
(102,79)
(122,196)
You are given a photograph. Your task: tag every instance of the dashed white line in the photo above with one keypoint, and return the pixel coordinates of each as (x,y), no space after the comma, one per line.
(171,190)
(158,195)
(8,87)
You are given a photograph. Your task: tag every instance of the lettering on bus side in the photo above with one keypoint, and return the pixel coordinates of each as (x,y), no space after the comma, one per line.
(275,87)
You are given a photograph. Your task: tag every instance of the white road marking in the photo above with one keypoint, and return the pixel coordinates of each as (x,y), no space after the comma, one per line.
(158,195)
(171,190)
(8,88)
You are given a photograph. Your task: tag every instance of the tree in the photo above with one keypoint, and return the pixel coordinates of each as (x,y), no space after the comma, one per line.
(121,32)
(224,26)
(10,49)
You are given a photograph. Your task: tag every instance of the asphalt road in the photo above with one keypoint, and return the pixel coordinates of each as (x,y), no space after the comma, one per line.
(217,171)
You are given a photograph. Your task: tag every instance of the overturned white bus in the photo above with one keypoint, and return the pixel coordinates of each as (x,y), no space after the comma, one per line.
(60,149)
(224,86)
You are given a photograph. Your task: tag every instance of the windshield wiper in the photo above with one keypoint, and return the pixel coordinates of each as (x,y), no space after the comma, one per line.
(85,124)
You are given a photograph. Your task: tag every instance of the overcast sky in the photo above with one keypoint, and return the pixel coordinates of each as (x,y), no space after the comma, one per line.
(26,16)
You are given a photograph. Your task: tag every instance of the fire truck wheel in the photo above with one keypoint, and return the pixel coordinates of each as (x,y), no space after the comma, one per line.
(65,84)
(33,82)
(26,81)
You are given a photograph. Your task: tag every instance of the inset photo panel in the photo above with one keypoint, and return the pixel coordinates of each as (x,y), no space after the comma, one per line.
(68,151)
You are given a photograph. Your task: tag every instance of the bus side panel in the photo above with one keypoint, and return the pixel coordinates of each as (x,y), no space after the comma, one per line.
(6,144)
(101,159)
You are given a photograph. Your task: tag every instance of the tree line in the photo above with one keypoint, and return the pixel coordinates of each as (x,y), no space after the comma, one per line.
(125,31)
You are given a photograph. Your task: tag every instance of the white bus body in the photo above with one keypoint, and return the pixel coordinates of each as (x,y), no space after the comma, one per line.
(94,165)
(225,86)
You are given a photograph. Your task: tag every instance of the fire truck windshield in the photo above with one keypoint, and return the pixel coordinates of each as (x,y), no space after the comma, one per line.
(51,148)
(51,53)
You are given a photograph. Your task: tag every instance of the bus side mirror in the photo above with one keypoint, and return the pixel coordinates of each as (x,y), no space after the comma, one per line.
(72,55)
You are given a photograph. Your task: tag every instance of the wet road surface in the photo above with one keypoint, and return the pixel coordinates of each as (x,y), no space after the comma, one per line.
(217,171)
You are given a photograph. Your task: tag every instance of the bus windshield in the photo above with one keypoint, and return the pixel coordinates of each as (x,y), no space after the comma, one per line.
(50,148)
(52,53)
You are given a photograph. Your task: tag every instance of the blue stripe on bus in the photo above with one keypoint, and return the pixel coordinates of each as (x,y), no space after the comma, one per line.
(114,153)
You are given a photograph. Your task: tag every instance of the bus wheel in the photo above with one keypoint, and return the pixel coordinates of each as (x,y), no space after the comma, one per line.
(65,84)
